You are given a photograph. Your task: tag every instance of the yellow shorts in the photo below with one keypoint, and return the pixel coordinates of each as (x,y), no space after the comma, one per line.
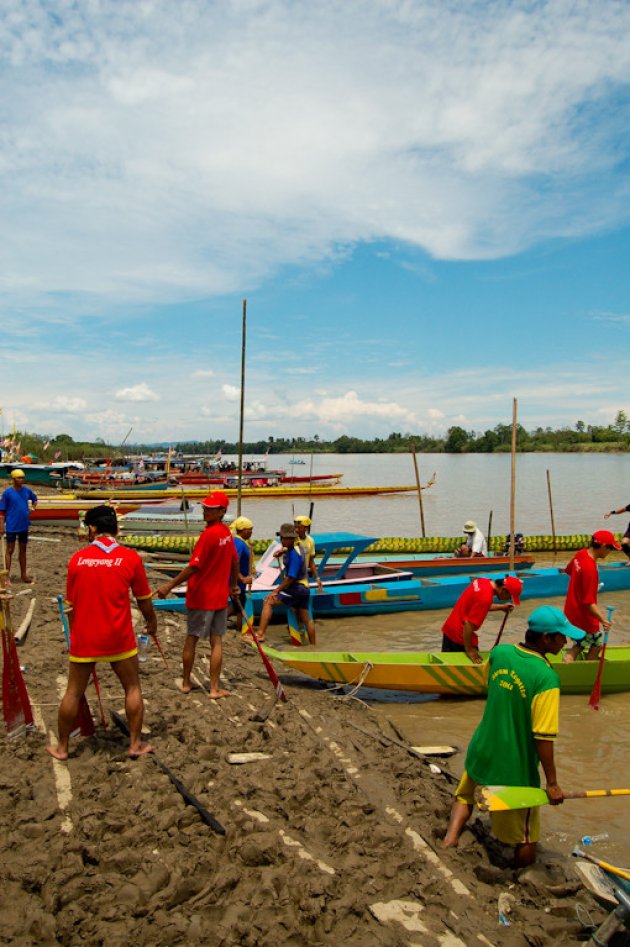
(514,827)
(110,658)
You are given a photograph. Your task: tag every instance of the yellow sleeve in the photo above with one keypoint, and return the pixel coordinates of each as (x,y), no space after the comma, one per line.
(545,714)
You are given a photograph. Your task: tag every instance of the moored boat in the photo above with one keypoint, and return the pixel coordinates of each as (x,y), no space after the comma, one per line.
(296,490)
(446,674)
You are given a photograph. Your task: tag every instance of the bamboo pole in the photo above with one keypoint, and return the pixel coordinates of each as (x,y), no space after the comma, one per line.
(242,414)
(419,486)
(553,524)
(489,535)
(513,486)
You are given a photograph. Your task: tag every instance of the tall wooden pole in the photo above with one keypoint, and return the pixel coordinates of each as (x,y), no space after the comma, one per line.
(513,486)
(419,486)
(553,525)
(489,536)
(240,428)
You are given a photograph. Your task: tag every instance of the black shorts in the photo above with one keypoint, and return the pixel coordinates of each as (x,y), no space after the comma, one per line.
(296,596)
(21,537)
(452,646)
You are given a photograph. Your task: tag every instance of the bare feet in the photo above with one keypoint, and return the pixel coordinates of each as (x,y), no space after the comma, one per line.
(187,688)
(139,750)
(28,579)
(57,753)
(216,695)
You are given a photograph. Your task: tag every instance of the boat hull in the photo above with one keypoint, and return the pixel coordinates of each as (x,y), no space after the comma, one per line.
(443,674)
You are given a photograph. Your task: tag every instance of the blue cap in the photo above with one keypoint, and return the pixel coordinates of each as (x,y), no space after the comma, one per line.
(551,621)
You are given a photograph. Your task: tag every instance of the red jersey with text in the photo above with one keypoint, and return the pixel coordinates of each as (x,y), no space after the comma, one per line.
(213,555)
(582,591)
(472,605)
(99,579)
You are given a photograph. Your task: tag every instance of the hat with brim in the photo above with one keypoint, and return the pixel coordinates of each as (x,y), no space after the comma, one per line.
(514,587)
(470,527)
(548,620)
(215,500)
(605,538)
(302,520)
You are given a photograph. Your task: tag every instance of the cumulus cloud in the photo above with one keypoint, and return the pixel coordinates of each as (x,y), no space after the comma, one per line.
(470,136)
(62,404)
(231,392)
(140,392)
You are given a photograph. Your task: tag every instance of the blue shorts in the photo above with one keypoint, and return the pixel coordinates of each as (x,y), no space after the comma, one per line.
(21,537)
(296,596)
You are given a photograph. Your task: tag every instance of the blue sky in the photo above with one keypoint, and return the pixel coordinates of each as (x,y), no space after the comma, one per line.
(426,205)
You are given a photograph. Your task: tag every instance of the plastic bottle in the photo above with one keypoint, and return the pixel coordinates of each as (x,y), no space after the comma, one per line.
(589,839)
(143,644)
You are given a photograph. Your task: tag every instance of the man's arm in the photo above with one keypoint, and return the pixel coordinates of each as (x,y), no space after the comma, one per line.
(148,613)
(183,576)
(544,748)
(471,650)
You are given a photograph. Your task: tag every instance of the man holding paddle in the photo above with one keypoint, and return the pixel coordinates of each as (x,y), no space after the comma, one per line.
(471,610)
(581,606)
(517,732)
(101,628)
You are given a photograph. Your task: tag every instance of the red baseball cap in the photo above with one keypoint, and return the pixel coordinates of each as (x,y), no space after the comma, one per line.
(216,499)
(514,587)
(605,538)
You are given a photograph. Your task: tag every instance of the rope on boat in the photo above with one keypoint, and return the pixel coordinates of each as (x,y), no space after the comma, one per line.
(358,684)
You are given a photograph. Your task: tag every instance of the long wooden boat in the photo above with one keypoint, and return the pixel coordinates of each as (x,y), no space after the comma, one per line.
(448,674)
(304,490)
(66,513)
(43,474)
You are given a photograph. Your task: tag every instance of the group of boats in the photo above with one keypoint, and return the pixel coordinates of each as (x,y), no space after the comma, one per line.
(356,585)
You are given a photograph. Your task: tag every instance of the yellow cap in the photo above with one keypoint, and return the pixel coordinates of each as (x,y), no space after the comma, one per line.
(241,522)
(303,520)
(18,474)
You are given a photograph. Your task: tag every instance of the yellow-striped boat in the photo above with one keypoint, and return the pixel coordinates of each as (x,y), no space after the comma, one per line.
(446,674)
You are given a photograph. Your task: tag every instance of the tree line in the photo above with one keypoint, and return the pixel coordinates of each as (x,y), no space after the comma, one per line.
(457,440)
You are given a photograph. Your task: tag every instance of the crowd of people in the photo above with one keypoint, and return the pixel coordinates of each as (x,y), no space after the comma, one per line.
(520,721)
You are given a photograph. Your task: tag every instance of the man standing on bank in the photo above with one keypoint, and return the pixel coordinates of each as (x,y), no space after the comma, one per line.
(101,628)
(517,732)
(15,518)
(471,610)
(212,575)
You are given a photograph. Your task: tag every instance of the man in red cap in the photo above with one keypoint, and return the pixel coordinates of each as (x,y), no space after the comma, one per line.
(581,606)
(212,575)
(471,609)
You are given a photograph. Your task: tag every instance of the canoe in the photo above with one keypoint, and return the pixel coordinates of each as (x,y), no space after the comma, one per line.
(303,490)
(447,674)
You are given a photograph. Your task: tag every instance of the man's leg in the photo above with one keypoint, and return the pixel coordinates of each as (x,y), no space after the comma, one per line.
(127,673)
(188,661)
(78,677)
(265,618)
(22,559)
(572,654)
(525,854)
(305,617)
(460,814)
(8,557)
(216,660)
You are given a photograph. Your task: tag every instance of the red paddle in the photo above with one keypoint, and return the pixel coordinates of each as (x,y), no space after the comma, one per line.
(16,706)
(596,693)
(159,647)
(273,677)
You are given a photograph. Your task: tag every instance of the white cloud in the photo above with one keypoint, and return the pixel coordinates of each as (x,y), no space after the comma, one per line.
(203,373)
(140,392)
(231,393)
(62,404)
(125,177)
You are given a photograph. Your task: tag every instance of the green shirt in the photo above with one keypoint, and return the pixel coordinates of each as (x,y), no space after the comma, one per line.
(522,706)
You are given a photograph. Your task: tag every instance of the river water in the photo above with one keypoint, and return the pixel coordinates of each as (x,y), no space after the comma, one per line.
(593,748)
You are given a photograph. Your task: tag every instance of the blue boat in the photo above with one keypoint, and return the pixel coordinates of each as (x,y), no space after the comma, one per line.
(364,588)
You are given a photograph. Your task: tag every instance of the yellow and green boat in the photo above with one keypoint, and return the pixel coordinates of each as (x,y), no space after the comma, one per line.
(446,674)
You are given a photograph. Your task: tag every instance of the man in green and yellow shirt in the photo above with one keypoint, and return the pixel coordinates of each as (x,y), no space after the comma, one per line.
(517,732)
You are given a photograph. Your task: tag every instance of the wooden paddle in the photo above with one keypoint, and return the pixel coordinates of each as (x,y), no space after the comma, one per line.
(498,638)
(16,706)
(159,647)
(502,798)
(186,795)
(596,693)
(619,872)
(273,677)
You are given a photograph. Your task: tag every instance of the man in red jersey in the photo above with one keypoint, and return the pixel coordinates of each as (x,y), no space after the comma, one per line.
(471,609)
(581,606)
(211,574)
(97,592)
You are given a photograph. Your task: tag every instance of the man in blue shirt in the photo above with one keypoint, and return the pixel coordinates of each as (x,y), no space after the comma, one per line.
(15,519)
(293,591)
